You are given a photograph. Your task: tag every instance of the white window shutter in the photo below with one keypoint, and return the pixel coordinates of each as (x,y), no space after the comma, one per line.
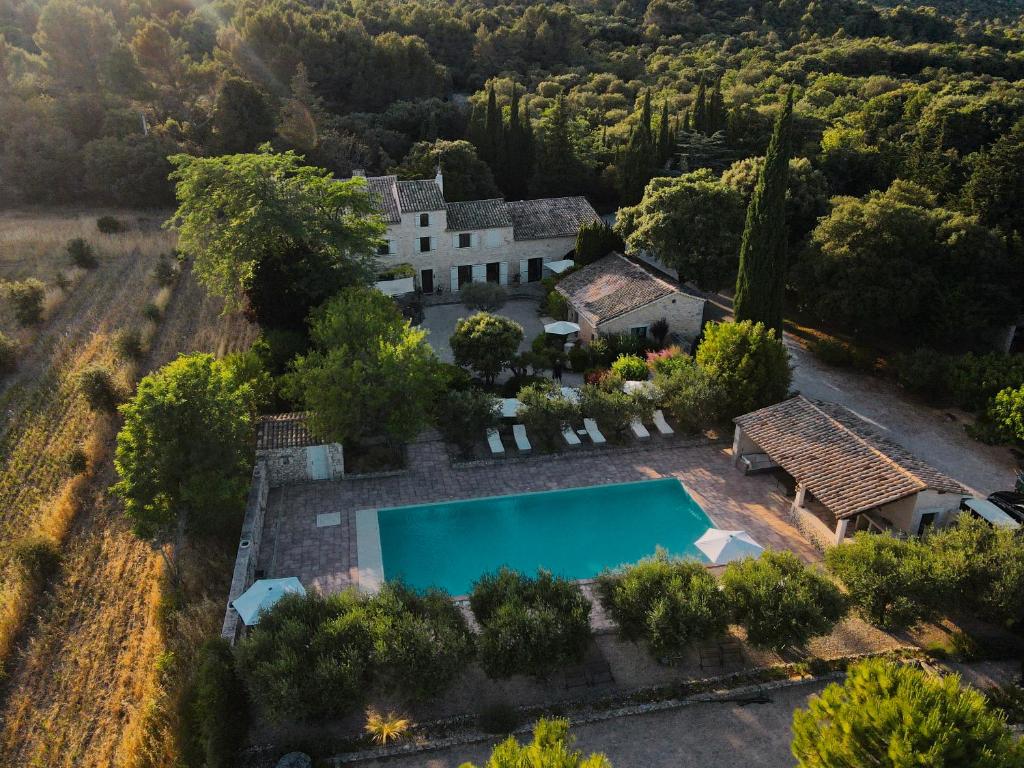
(524,270)
(455,240)
(479,273)
(503,272)
(455,279)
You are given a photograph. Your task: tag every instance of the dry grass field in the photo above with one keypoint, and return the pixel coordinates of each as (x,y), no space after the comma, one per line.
(90,662)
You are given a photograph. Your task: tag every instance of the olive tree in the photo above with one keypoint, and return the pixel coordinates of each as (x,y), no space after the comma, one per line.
(486,343)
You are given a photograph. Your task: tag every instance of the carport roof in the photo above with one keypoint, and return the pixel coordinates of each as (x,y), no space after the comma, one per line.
(838,457)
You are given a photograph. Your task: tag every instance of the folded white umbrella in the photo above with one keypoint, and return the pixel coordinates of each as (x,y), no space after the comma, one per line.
(561,328)
(509,407)
(725,546)
(263,595)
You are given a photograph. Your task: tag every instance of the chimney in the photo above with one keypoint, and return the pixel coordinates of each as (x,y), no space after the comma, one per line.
(358,172)
(439,179)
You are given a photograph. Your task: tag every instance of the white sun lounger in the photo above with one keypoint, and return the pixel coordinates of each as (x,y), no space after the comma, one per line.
(571,438)
(595,434)
(522,441)
(494,441)
(639,430)
(661,424)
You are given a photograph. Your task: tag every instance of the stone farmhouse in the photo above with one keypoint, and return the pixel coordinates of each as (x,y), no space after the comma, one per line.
(452,244)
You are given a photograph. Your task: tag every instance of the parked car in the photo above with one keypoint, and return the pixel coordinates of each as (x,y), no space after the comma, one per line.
(989,512)
(1011,502)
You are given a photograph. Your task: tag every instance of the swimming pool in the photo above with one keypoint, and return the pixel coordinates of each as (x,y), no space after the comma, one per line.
(574,533)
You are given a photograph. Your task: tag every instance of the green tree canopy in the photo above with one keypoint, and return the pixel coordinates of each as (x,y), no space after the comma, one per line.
(692,223)
(894,261)
(369,373)
(285,235)
(185,447)
(551,746)
(466,176)
(993,190)
(891,716)
(562,153)
(669,603)
(892,582)
(486,343)
(242,116)
(780,601)
(747,363)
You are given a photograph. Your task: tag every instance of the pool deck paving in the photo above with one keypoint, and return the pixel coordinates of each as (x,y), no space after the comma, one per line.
(324,557)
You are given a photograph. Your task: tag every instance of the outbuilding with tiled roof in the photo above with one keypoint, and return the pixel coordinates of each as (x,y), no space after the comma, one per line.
(846,475)
(292,454)
(618,295)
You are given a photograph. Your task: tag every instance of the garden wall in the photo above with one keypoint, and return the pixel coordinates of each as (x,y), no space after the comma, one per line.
(248,549)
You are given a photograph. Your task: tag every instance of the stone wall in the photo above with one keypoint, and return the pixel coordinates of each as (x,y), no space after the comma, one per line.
(291,465)
(248,549)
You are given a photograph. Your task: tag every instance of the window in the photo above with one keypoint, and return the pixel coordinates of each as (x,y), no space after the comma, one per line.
(424,244)
(424,219)
(639,331)
(384,248)
(465,239)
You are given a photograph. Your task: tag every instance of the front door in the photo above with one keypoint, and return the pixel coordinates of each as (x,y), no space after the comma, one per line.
(465,274)
(427,280)
(534,268)
(493,272)
(317,462)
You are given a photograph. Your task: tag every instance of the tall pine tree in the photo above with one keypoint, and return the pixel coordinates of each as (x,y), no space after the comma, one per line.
(492,130)
(715,109)
(518,165)
(664,136)
(762,274)
(700,119)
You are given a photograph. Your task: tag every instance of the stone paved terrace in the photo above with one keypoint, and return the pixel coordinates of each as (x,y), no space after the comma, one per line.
(325,557)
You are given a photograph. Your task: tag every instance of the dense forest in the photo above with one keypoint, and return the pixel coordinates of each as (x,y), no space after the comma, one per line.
(914,114)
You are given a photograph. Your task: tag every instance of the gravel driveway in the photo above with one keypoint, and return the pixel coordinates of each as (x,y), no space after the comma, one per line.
(706,735)
(440,321)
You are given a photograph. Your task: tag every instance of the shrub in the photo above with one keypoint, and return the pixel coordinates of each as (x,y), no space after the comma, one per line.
(486,297)
(667,602)
(529,626)
(397,272)
(108,225)
(976,379)
(62,281)
(165,272)
(498,718)
(780,601)
(77,461)
(82,254)
(909,711)
(595,240)
(152,312)
(838,353)
(220,712)
(667,360)
(1006,413)
(99,390)
(747,362)
(610,407)
(464,416)
(26,298)
(626,344)
(556,306)
(600,352)
(456,378)
(579,358)
(892,582)
(925,373)
(545,412)
(691,396)
(486,343)
(37,558)
(659,331)
(384,728)
(128,343)
(8,354)
(630,368)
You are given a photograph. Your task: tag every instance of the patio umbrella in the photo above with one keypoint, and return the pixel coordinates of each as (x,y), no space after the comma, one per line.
(561,328)
(722,547)
(571,394)
(263,595)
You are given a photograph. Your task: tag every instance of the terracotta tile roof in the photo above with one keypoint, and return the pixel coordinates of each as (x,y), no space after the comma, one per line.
(840,459)
(283,430)
(478,214)
(550,217)
(382,191)
(419,195)
(612,286)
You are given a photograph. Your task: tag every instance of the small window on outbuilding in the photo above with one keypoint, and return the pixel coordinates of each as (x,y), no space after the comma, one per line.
(639,331)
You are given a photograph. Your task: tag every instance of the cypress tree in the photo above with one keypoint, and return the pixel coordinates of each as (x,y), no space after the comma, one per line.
(716,109)
(664,136)
(762,273)
(492,129)
(700,120)
(518,165)
(645,119)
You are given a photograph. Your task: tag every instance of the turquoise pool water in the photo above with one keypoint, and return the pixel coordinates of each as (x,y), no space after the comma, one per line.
(574,533)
